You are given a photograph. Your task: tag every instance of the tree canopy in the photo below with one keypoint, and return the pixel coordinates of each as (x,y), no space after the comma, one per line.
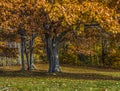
(54,19)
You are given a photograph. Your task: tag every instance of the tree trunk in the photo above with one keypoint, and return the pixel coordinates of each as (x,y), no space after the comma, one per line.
(52,54)
(31,51)
(27,58)
(22,52)
(19,56)
(103,50)
(56,58)
(49,52)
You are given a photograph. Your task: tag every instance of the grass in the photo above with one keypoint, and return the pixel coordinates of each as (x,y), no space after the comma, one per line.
(71,79)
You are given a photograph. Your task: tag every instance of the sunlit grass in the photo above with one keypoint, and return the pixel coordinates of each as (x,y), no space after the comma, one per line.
(56,84)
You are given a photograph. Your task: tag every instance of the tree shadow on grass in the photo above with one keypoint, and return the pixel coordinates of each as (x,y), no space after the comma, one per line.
(43,73)
(89,76)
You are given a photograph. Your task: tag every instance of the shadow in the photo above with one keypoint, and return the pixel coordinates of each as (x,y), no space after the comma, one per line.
(89,76)
(43,73)
(96,68)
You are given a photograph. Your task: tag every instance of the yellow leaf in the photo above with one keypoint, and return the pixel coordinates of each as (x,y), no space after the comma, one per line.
(81,27)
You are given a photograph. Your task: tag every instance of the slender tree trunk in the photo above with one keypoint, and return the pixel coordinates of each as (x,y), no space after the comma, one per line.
(27,55)
(103,50)
(22,52)
(27,58)
(31,51)
(19,56)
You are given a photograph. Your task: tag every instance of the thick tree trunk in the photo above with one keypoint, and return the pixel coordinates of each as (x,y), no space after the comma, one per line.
(56,58)
(52,54)
(52,51)
(49,53)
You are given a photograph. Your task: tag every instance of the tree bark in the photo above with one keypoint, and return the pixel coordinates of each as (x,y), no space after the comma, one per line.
(22,52)
(27,58)
(33,36)
(49,52)
(56,58)
(52,54)
(103,50)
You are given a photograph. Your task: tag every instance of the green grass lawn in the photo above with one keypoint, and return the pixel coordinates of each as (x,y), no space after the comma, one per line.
(70,79)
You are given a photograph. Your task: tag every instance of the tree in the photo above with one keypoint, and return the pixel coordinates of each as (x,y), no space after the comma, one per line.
(54,19)
(19,16)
